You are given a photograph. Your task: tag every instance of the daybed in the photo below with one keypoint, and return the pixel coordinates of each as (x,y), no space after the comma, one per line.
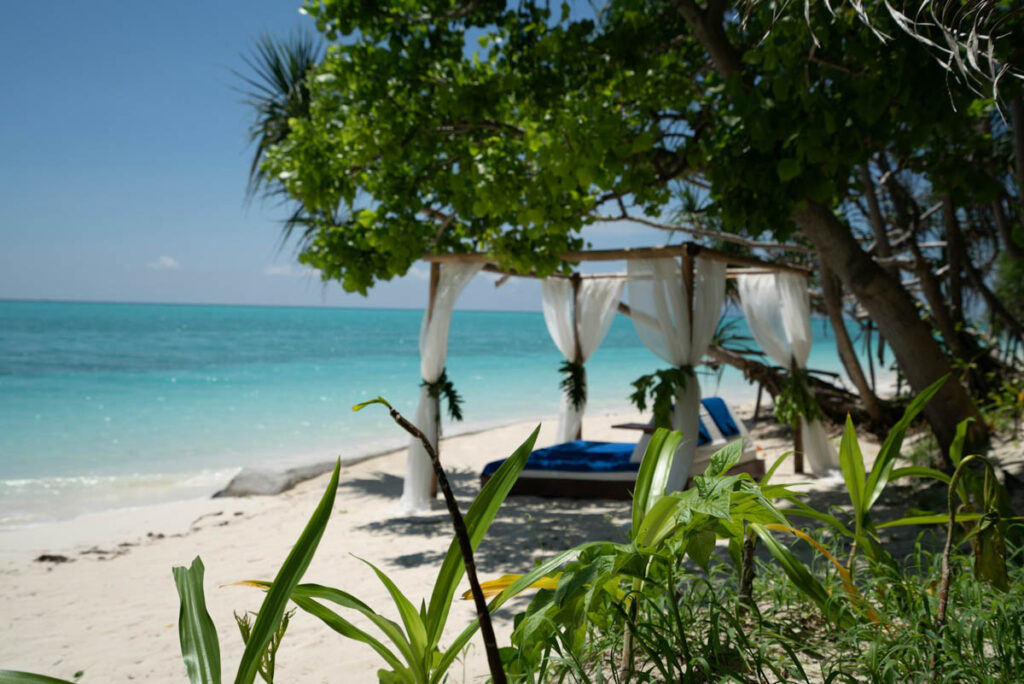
(586,470)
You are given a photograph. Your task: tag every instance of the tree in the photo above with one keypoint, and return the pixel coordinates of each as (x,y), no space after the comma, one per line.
(553,123)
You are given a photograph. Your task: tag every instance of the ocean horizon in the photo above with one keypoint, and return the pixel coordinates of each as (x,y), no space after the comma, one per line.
(111,404)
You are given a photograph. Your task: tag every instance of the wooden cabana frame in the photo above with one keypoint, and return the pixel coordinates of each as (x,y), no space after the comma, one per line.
(687,252)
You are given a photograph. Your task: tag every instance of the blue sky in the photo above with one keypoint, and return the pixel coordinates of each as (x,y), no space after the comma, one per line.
(123,161)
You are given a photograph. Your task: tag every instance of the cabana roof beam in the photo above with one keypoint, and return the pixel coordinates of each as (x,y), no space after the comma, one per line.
(634,253)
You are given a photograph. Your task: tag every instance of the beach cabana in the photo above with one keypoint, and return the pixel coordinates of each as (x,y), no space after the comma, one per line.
(676,295)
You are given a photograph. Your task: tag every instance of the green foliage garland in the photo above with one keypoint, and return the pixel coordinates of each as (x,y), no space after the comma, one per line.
(443,387)
(660,386)
(574,384)
(795,399)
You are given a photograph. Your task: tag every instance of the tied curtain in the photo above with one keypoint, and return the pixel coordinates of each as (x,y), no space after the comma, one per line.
(452,279)
(660,307)
(778,311)
(578,321)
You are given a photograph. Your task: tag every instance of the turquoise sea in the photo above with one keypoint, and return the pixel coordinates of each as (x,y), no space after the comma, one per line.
(110,405)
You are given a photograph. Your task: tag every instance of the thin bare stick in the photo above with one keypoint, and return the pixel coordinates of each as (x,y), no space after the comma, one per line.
(462,534)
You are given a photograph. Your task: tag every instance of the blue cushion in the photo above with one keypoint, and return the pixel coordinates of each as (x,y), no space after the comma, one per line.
(720,414)
(580,456)
(703,436)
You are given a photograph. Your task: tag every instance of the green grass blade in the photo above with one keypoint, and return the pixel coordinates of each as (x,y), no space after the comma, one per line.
(653,474)
(200,649)
(347,629)
(890,450)
(274,604)
(15,677)
(479,517)
(851,461)
(414,626)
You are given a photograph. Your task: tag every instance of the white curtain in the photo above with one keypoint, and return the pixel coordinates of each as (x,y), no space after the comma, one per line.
(659,306)
(433,354)
(778,313)
(588,320)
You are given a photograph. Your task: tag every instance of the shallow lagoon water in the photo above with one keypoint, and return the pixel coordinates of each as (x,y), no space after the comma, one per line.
(108,405)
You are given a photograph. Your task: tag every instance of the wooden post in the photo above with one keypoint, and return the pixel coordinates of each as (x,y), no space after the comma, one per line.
(798,433)
(688,282)
(435,278)
(757,406)
(576,281)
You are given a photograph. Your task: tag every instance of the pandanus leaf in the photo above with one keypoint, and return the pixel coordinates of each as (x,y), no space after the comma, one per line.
(303,596)
(15,677)
(414,627)
(197,634)
(653,474)
(276,600)
(890,450)
(851,462)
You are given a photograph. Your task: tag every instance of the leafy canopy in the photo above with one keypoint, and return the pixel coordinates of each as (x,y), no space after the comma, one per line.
(443,126)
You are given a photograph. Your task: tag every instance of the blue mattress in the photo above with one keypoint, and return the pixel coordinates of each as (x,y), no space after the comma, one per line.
(582,456)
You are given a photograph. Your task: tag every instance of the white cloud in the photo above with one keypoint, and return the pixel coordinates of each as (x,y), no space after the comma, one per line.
(418,272)
(289,271)
(164,263)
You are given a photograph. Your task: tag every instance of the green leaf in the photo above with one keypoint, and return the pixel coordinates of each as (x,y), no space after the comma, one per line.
(347,629)
(414,626)
(699,547)
(724,459)
(660,521)
(775,466)
(389,627)
(478,518)
(788,169)
(197,634)
(15,677)
(890,450)
(852,464)
(274,604)
(519,586)
(956,449)
(378,400)
(919,471)
(990,552)
(936,519)
(802,578)
(652,477)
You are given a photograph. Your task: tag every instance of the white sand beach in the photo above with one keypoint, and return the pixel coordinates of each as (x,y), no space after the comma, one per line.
(110,611)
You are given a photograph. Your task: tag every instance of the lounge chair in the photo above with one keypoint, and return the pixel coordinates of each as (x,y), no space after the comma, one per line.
(588,470)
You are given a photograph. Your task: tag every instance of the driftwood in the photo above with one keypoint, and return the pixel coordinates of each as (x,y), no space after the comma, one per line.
(835,401)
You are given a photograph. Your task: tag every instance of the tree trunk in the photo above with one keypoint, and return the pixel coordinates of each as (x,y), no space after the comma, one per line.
(933,295)
(1017,124)
(834,308)
(1005,230)
(955,255)
(892,308)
